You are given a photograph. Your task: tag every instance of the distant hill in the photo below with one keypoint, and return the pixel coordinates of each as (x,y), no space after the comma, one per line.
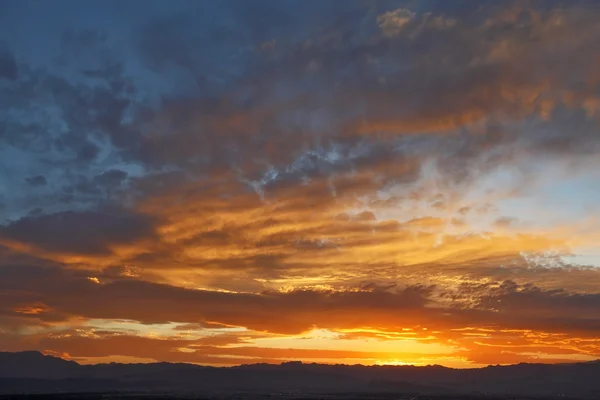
(33,364)
(33,372)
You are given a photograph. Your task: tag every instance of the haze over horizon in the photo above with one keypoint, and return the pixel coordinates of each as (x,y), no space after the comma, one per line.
(355,182)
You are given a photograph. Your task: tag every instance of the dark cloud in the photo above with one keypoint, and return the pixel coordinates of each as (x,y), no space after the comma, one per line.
(113,177)
(154,303)
(504,304)
(200,326)
(86,232)
(35,212)
(8,65)
(449,82)
(38,180)
(273,114)
(510,297)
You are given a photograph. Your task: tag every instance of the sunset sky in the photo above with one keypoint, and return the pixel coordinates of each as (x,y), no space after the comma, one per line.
(335,181)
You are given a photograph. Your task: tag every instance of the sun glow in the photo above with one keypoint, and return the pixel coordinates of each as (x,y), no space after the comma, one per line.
(396,363)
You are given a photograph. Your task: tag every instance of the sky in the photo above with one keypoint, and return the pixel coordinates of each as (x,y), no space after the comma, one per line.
(236,182)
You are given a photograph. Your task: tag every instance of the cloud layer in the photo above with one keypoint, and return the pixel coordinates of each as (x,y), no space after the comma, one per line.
(376,183)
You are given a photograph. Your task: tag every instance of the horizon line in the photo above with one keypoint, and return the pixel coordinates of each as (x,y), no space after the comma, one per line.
(300,362)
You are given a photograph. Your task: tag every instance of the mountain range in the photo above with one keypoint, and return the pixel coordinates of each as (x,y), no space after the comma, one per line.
(33,372)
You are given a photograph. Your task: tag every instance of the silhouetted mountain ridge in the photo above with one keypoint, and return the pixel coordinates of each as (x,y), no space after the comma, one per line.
(31,372)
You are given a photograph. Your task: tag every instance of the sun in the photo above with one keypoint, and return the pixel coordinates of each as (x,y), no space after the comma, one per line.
(394,362)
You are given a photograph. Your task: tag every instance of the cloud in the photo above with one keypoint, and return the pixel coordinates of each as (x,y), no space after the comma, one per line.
(505,314)
(367,171)
(37,180)
(78,232)
(8,65)
(393,22)
(500,304)
(113,177)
